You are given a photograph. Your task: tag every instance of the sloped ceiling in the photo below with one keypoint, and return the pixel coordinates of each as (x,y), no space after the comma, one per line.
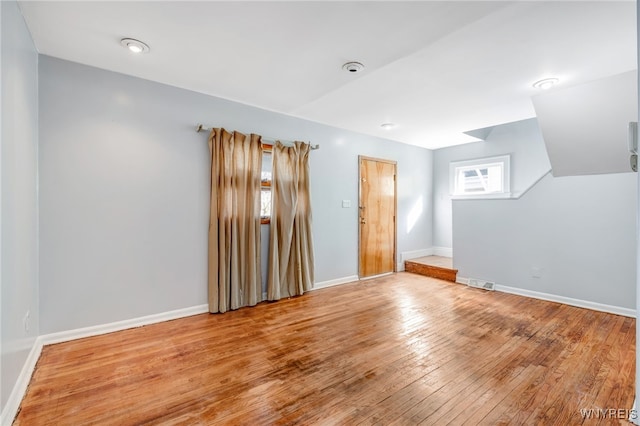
(437,69)
(585,126)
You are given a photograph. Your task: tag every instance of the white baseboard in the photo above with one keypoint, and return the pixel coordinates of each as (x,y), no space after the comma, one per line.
(79,333)
(337,281)
(560,299)
(568,301)
(325,284)
(432,251)
(407,255)
(443,251)
(20,387)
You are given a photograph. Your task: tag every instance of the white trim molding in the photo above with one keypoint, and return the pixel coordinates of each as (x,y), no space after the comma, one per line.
(503,162)
(337,281)
(513,196)
(20,387)
(443,251)
(462,280)
(431,251)
(568,301)
(560,299)
(96,330)
(408,255)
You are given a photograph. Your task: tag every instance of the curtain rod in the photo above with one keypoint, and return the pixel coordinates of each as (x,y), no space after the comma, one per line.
(200,128)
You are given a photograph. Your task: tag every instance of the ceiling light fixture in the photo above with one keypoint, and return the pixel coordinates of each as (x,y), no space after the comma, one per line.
(546,84)
(353,67)
(136,46)
(388,126)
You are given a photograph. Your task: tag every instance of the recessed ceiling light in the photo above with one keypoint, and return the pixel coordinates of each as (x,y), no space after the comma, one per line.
(136,46)
(353,67)
(388,126)
(546,84)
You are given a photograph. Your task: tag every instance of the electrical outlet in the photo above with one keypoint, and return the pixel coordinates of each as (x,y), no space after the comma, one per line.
(26,321)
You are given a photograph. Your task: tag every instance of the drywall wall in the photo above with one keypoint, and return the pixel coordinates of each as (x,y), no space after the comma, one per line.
(124,193)
(585,126)
(18,211)
(529,161)
(636,418)
(571,236)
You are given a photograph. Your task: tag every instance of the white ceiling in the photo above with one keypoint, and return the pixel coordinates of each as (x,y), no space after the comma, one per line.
(435,68)
(585,127)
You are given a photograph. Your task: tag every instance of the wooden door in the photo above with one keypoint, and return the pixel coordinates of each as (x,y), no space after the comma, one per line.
(377,216)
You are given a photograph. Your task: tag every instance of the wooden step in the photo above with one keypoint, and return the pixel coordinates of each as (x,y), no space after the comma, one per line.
(433,271)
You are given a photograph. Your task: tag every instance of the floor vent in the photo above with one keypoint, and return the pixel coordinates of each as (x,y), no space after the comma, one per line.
(485,285)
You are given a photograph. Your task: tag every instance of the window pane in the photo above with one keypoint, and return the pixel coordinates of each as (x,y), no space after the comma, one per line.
(479,179)
(266,168)
(265,177)
(265,192)
(265,203)
(469,182)
(494,178)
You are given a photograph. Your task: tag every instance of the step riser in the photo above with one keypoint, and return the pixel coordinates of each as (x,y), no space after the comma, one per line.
(431,271)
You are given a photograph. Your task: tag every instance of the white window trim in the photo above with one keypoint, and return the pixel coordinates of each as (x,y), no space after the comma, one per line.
(506,177)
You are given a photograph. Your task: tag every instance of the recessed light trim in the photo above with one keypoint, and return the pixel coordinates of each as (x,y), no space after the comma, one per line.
(546,83)
(388,126)
(135,46)
(353,67)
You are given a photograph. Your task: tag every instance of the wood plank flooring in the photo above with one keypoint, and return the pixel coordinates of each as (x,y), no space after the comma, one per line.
(397,350)
(440,261)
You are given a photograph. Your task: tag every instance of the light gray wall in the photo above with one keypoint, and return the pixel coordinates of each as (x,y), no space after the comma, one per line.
(124,193)
(585,126)
(529,161)
(637,387)
(579,232)
(18,212)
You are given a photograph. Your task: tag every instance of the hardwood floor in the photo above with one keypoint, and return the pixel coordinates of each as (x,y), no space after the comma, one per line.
(432,260)
(400,349)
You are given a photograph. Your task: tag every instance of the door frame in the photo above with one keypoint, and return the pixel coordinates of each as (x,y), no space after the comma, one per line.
(362,158)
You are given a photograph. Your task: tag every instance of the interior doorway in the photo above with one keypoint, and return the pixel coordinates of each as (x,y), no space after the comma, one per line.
(377,216)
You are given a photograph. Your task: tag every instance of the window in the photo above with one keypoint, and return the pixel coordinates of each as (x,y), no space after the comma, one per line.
(483,178)
(265,186)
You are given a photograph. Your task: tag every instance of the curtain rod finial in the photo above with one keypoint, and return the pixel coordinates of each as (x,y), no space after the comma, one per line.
(199,128)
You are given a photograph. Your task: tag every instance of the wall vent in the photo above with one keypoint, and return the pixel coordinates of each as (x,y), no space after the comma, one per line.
(485,285)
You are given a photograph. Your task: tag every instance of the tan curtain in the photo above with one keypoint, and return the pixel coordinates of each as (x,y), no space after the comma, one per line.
(291,244)
(234,224)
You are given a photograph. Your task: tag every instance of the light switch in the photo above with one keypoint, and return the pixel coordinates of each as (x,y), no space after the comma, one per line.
(346,204)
